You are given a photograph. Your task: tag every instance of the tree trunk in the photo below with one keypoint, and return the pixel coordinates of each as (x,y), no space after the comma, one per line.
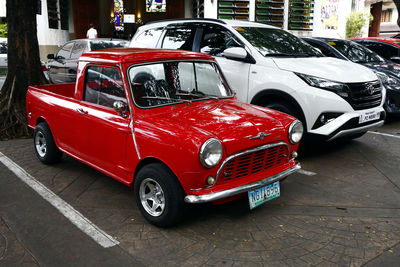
(24,67)
(397,3)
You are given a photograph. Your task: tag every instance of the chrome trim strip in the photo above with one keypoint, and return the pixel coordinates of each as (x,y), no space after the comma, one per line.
(241,189)
(357,130)
(248,152)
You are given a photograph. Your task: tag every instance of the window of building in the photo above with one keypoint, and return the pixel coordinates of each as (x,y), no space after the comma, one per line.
(386,15)
(64,14)
(52,14)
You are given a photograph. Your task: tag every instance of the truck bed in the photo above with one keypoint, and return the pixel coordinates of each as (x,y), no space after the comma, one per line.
(64,89)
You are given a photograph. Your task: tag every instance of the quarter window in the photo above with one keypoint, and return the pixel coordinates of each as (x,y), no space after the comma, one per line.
(103,86)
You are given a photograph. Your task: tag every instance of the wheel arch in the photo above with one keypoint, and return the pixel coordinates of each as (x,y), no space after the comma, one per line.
(270,95)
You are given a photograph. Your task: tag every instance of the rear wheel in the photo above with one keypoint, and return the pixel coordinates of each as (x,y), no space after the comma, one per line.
(159,195)
(45,147)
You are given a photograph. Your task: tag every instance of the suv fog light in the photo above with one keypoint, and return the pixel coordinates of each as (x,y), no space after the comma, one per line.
(210,180)
(325,118)
(294,154)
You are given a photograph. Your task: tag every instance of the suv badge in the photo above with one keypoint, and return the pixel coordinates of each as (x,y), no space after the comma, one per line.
(260,136)
(370,89)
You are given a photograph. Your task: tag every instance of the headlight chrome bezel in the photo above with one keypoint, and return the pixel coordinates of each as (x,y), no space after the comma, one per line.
(387,79)
(294,127)
(204,154)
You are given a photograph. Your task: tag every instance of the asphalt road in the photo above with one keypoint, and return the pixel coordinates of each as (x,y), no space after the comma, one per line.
(343,211)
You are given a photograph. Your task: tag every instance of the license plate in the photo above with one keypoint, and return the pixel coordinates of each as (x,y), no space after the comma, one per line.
(369,116)
(264,194)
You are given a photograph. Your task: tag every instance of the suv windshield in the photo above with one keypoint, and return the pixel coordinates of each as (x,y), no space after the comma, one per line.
(356,52)
(277,42)
(176,82)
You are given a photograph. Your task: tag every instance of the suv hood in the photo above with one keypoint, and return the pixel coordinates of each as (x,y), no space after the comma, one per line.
(328,68)
(234,123)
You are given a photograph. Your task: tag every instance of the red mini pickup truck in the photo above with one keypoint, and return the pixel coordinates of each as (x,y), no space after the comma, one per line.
(166,123)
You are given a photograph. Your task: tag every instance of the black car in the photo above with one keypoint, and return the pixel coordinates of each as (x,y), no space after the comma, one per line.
(387,71)
(62,65)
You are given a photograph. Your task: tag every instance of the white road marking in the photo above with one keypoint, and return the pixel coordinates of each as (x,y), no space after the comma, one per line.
(80,221)
(308,173)
(385,134)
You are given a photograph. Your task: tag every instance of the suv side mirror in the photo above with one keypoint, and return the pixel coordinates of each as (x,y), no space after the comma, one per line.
(50,56)
(395,59)
(239,54)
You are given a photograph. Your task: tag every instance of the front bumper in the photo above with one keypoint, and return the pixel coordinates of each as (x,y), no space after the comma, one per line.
(193,199)
(392,101)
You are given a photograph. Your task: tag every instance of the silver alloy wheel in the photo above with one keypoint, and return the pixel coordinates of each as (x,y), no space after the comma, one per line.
(152,197)
(40,144)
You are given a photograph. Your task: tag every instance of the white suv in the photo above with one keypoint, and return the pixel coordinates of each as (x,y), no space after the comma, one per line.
(270,67)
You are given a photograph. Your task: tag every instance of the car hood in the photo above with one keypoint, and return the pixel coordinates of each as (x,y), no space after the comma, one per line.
(328,68)
(234,123)
(385,67)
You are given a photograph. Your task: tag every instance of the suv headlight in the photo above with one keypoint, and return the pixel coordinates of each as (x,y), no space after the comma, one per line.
(387,80)
(211,153)
(295,132)
(336,87)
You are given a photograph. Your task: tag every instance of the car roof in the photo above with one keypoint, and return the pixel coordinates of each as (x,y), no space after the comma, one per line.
(99,40)
(137,55)
(232,23)
(393,41)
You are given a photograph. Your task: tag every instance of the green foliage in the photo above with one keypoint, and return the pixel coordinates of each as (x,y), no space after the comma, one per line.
(3,30)
(355,23)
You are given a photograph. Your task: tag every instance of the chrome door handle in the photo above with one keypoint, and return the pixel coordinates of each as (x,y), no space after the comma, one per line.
(81,111)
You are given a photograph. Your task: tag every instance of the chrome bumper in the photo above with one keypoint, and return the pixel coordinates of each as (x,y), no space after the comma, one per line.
(241,189)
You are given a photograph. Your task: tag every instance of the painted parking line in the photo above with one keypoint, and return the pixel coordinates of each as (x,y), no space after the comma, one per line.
(308,173)
(385,134)
(80,221)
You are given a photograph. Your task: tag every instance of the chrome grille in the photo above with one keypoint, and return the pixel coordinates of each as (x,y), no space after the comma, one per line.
(365,95)
(253,162)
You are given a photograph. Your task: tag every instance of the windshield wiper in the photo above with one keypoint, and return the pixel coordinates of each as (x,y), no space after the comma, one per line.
(201,96)
(167,98)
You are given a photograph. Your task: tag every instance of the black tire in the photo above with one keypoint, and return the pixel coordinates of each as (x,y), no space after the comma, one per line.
(45,147)
(283,107)
(171,195)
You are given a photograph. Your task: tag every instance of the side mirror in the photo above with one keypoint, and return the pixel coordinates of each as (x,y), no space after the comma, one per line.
(395,59)
(120,107)
(239,54)
(50,56)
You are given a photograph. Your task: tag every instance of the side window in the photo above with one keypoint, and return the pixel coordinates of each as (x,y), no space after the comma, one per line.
(384,50)
(148,39)
(324,50)
(103,86)
(216,39)
(65,51)
(78,50)
(179,38)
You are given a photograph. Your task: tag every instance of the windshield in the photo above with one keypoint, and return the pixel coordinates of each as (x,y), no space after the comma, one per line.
(276,42)
(176,82)
(96,45)
(356,52)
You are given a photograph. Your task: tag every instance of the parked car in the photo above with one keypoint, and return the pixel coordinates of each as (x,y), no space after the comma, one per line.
(396,36)
(3,53)
(387,71)
(166,123)
(61,67)
(387,48)
(270,67)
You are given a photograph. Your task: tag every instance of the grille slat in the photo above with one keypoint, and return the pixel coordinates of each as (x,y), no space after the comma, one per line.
(253,163)
(365,95)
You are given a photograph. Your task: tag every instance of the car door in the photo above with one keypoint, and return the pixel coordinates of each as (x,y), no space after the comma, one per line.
(57,68)
(214,39)
(105,136)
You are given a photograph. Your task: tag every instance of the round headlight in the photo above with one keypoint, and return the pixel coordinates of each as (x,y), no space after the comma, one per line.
(211,153)
(295,132)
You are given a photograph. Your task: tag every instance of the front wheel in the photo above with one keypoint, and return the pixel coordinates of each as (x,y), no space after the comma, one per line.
(159,195)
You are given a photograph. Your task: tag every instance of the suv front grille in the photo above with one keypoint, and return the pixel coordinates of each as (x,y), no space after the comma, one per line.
(253,162)
(365,95)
